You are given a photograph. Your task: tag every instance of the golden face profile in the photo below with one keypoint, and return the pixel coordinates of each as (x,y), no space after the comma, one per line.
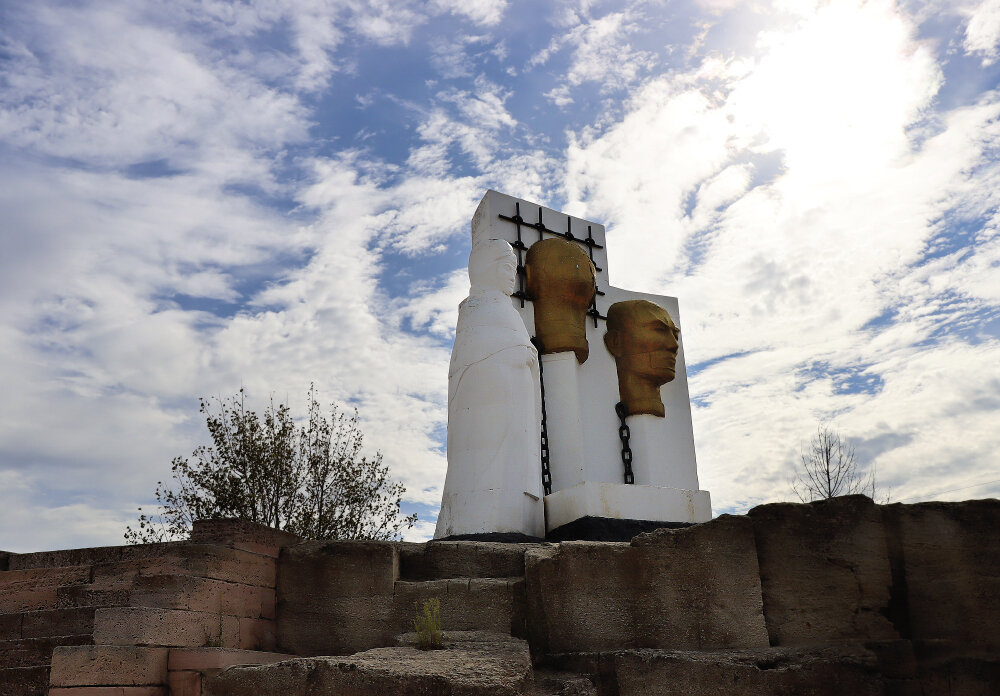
(644,340)
(562,281)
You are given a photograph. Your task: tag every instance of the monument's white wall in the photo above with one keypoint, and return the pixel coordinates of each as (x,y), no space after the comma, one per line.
(663,448)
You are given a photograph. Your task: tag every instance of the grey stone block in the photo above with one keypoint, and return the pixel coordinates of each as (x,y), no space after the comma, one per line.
(824,571)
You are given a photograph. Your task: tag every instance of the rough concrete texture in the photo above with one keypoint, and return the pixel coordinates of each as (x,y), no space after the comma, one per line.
(774,672)
(824,571)
(335,598)
(461,559)
(946,566)
(470,664)
(108,665)
(692,588)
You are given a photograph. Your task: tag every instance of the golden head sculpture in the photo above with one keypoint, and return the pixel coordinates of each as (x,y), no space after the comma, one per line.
(644,340)
(562,282)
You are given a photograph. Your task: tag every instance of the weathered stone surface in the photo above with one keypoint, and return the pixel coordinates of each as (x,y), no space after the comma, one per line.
(335,598)
(90,556)
(461,559)
(206,659)
(24,681)
(57,622)
(165,627)
(772,672)
(36,588)
(467,604)
(198,560)
(695,587)
(203,594)
(824,571)
(108,665)
(35,652)
(946,561)
(243,535)
(471,664)
(109,691)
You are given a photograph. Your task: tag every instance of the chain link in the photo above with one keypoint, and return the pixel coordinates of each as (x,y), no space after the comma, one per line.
(544,443)
(624,433)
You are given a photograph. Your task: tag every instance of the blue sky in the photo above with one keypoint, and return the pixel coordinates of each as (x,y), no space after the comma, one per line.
(200,195)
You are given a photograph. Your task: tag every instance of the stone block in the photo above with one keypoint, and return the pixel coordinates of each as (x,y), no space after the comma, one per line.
(461,559)
(90,556)
(57,622)
(336,625)
(467,604)
(946,558)
(202,594)
(470,664)
(35,652)
(198,560)
(35,588)
(824,569)
(244,535)
(109,691)
(10,626)
(207,659)
(164,627)
(24,681)
(690,588)
(92,596)
(184,683)
(108,665)
(257,634)
(335,598)
(773,672)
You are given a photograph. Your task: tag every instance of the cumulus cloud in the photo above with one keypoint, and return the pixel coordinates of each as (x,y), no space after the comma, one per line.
(982,33)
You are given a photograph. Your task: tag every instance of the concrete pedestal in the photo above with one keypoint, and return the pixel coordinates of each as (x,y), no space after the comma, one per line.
(621,501)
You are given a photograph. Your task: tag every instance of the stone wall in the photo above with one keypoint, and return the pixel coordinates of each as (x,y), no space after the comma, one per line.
(839,596)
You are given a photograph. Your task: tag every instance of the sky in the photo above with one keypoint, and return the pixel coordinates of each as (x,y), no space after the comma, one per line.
(201,195)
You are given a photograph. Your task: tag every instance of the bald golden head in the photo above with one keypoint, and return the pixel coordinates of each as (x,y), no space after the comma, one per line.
(644,340)
(562,281)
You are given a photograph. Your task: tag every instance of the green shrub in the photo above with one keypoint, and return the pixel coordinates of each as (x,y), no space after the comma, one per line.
(427,624)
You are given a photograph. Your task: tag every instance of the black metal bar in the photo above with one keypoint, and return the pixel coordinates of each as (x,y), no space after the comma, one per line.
(589,241)
(519,246)
(543,230)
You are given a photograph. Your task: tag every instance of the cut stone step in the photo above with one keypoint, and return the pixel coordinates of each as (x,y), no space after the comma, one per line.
(108,665)
(35,652)
(197,560)
(92,596)
(151,626)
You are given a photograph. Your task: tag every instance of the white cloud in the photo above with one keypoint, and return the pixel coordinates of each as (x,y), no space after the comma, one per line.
(982,33)
(485,12)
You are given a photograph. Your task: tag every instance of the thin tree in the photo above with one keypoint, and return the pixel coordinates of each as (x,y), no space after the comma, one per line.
(830,468)
(312,480)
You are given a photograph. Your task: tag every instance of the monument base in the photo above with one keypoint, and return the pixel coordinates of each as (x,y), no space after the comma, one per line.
(625,502)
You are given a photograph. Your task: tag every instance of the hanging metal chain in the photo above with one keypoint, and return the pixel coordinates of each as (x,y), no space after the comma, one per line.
(624,433)
(546,473)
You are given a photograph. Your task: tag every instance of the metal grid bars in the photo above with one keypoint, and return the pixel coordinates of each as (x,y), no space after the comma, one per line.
(542,230)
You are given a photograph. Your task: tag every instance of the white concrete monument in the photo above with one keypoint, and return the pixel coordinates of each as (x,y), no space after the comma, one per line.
(494,408)
(616,437)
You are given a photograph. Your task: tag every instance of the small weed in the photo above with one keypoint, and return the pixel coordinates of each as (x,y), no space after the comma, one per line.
(427,624)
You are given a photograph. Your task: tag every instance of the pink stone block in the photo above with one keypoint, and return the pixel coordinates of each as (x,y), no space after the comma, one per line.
(204,659)
(109,691)
(184,683)
(108,665)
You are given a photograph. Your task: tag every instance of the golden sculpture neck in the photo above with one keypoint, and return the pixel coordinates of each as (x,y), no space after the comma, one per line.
(639,395)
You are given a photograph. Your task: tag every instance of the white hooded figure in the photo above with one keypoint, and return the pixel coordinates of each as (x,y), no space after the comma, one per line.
(494,408)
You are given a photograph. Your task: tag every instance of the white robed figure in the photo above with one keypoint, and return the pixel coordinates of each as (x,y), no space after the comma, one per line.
(494,408)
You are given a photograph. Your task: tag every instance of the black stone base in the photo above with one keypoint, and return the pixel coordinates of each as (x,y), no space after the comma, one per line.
(502,537)
(607,529)
(583,529)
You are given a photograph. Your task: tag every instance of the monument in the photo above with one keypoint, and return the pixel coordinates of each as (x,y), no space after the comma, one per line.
(567,397)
